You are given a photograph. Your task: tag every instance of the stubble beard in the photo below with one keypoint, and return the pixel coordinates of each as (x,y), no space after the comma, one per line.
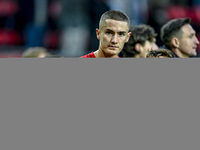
(110,53)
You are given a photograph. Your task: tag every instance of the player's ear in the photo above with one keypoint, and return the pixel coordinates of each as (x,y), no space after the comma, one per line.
(138,47)
(128,36)
(98,34)
(175,42)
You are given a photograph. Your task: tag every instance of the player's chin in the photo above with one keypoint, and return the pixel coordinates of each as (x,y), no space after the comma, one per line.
(110,54)
(194,53)
(113,51)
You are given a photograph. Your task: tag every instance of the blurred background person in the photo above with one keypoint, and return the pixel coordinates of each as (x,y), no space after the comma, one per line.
(158,15)
(137,10)
(35,52)
(97,8)
(142,40)
(32,20)
(74,22)
(39,52)
(179,37)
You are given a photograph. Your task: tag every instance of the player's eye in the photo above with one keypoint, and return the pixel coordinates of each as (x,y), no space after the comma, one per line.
(191,36)
(121,34)
(108,32)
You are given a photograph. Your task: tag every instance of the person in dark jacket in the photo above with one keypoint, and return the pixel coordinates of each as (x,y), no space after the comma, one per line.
(179,37)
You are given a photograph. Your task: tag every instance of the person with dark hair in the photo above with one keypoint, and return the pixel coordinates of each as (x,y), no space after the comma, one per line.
(179,37)
(160,53)
(113,32)
(141,41)
(97,8)
(74,22)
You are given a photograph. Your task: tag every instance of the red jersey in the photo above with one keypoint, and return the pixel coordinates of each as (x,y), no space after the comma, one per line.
(90,55)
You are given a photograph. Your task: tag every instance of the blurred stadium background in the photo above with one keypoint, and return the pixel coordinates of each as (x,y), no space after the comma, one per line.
(28,23)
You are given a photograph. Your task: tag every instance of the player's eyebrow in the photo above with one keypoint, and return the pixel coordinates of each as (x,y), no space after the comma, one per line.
(122,32)
(109,30)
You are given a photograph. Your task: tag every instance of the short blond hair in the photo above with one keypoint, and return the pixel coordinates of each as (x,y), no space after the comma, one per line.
(35,52)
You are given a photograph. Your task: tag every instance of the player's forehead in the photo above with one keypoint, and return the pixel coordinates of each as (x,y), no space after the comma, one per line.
(114,24)
(188,29)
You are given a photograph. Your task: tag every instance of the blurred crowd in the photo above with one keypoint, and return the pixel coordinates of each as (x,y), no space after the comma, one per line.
(68,27)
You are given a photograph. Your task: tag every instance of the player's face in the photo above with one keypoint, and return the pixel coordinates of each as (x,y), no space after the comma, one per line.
(148,46)
(112,36)
(188,42)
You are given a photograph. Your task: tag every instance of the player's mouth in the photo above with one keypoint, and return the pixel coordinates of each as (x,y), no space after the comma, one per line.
(113,47)
(195,47)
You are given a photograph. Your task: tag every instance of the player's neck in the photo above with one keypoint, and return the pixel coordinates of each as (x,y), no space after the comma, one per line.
(179,54)
(99,54)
